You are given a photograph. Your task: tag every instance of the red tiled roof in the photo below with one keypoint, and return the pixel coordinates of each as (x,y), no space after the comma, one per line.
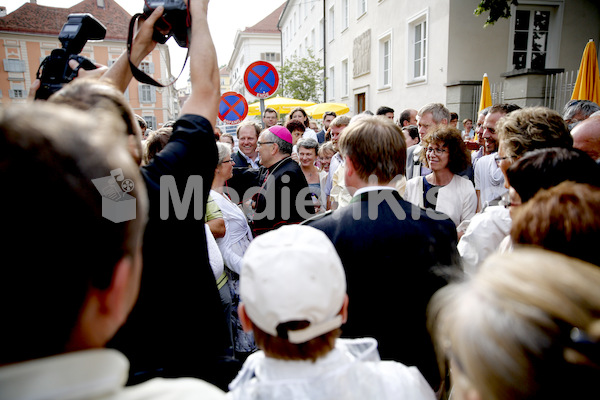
(268,24)
(44,20)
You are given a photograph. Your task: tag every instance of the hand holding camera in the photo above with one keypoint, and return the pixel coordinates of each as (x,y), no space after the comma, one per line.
(56,69)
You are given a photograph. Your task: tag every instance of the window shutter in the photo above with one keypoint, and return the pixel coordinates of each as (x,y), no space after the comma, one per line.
(153,94)
(126,94)
(263,56)
(151,68)
(11,94)
(140,94)
(278,57)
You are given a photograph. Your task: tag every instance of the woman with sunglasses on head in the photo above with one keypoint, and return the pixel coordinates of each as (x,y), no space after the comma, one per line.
(443,189)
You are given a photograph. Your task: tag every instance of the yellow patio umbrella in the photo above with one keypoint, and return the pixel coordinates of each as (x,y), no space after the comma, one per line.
(283,105)
(318,110)
(587,86)
(486,94)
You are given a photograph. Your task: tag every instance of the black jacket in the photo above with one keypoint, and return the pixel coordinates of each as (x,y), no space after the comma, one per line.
(388,257)
(177,327)
(283,196)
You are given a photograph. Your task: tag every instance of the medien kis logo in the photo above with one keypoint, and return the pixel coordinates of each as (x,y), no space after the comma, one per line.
(117,204)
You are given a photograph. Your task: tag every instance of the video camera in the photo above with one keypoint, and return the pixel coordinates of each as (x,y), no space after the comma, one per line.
(176,20)
(55,70)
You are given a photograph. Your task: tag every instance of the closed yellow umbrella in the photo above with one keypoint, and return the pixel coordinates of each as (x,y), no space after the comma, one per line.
(486,94)
(587,86)
(283,105)
(318,110)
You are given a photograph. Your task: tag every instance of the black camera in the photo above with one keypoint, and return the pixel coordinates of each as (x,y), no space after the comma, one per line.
(176,21)
(55,70)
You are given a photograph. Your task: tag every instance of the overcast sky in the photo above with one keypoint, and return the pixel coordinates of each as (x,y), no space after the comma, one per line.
(225,17)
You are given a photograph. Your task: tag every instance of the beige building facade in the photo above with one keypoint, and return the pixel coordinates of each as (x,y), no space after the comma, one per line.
(24,46)
(404,54)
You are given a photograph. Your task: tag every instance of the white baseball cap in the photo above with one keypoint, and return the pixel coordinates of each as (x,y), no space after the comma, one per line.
(293,274)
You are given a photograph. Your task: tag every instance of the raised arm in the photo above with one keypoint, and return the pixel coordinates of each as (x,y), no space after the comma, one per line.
(204,71)
(120,73)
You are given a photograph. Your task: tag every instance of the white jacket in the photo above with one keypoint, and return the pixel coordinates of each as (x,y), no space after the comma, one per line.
(484,236)
(457,199)
(95,374)
(352,370)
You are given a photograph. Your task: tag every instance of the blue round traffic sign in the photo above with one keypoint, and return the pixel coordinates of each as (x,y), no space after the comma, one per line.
(233,108)
(261,79)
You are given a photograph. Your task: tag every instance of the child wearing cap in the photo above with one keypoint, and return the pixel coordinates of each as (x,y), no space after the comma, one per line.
(293,293)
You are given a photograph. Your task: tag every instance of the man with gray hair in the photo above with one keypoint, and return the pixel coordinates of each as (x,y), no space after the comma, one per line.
(576,111)
(428,118)
(283,196)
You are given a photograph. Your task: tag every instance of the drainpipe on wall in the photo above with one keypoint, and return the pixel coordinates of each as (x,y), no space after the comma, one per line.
(324,51)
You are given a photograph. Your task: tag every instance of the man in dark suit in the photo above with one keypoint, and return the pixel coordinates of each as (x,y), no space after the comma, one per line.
(388,246)
(328,116)
(246,157)
(283,196)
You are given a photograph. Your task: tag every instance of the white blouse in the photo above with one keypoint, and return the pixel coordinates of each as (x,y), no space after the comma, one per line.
(238,234)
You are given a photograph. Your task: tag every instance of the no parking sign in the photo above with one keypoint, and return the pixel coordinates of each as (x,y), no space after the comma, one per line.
(261,79)
(233,108)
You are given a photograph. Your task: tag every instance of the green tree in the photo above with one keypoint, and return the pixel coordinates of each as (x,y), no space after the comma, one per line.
(497,8)
(301,78)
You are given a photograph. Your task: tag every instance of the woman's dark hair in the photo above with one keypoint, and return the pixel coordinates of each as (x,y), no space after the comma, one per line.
(545,168)
(451,138)
(295,125)
(303,112)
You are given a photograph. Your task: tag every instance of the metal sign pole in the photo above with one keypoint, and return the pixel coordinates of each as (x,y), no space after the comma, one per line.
(262,112)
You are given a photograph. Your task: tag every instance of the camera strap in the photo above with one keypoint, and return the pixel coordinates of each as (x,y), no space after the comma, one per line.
(138,74)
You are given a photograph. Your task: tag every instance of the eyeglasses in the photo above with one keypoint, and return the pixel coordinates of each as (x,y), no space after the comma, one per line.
(500,159)
(437,152)
(261,143)
(228,161)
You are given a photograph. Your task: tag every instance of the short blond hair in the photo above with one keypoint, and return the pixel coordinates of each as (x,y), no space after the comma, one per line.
(509,329)
(532,128)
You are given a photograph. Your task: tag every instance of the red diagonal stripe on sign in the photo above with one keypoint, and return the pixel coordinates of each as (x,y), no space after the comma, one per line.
(261,79)
(231,107)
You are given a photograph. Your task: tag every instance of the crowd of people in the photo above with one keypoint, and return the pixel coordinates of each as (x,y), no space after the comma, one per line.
(377,258)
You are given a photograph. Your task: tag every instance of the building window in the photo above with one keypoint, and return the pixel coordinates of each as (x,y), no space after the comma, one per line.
(16,93)
(147,94)
(331,82)
(147,67)
(345,14)
(294,24)
(150,121)
(331,21)
(345,85)
(385,61)
(271,57)
(417,35)
(321,34)
(362,8)
(14,65)
(536,31)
